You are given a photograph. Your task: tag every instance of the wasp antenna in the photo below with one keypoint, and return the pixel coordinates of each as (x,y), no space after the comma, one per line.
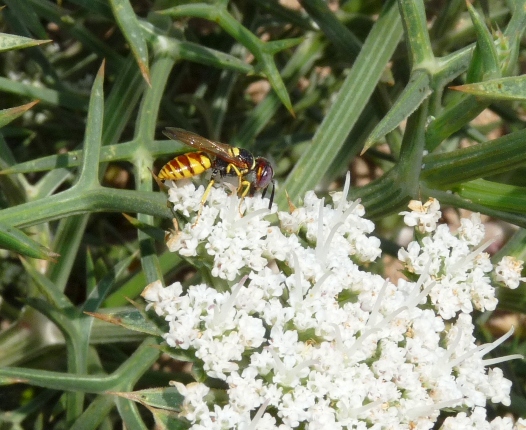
(271,196)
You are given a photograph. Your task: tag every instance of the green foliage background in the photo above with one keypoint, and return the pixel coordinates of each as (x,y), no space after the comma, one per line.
(339,82)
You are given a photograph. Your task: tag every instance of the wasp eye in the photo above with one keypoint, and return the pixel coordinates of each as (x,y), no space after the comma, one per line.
(264,173)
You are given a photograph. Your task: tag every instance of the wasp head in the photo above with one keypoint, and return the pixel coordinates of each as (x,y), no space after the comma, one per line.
(264,177)
(264,173)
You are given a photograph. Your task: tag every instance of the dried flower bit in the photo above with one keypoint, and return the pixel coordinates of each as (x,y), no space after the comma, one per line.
(292,207)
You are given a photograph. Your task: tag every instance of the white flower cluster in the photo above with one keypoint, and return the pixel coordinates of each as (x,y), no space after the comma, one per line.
(308,338)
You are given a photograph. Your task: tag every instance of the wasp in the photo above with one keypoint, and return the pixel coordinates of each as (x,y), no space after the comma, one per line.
(254,173)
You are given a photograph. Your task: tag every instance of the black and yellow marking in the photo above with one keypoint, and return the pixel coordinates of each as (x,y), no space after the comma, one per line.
(185,166)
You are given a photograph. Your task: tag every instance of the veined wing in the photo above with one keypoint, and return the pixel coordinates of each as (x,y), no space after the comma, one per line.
(222,150)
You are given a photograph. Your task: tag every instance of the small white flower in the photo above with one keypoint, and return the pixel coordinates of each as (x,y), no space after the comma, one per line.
(509,271)
(162,298)
(184,196)
(502,423)
(225,417)
(194,404)
(423,216)
(245,392)
(251,331)
(471,229)
(500,387)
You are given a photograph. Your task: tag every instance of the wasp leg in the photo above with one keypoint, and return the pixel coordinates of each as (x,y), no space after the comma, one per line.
(160,182)
(204,198)
(247,185)
(239,174)
(242,183)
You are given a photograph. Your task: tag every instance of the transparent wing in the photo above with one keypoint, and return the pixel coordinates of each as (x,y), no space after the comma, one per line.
(200,143)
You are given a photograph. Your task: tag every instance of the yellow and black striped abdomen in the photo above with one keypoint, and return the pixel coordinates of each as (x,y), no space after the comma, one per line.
(185,166)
